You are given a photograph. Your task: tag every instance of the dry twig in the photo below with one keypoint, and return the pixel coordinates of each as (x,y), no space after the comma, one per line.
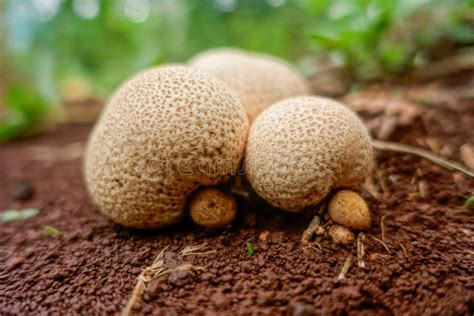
(361,250)
(406,149)
(345,268)
(380,241)
(310,231)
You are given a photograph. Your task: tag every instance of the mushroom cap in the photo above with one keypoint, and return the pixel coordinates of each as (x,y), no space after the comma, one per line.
(349,209)
(259,79)
(301,147)
(213,209)
(162,134)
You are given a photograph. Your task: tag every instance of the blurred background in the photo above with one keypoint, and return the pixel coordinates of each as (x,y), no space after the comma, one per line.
(60,59)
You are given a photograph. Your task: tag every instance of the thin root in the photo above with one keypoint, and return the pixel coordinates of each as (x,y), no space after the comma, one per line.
(382,227)
(406,149)
(345,268)
(381,242)
(403,249)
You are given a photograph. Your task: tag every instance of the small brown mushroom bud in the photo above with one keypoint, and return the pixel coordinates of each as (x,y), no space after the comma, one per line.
(341,235)
(320,230)
(349,209)
(213,209)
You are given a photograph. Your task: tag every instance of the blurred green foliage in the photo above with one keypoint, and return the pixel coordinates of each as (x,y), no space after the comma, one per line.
(373,38)
(26,109)
(85,48)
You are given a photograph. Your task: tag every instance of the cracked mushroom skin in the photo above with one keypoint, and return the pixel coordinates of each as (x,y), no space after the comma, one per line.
(259,79)
(300,148)
(162,134)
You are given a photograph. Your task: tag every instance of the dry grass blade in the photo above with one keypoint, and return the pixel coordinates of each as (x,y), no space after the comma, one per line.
(147,274)
(156,271)
(380,242)
(382,227)
(136,296)
(185,266)
(194,251)
(371,188)
(361,250)
(158,262)
(345,268)
(406,149)
(403,249)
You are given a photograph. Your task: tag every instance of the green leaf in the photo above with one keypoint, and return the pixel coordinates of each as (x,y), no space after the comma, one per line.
(325,40)
(249,247)
(53,231)
(469,203)
(14,215)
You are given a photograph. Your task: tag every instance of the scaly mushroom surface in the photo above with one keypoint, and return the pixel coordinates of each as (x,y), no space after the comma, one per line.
(163,133)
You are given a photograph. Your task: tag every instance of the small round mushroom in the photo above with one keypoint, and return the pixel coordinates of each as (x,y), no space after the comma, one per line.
(213,209)
(341,235)
(349,209)
(259,79)
(162,134)
(302,147)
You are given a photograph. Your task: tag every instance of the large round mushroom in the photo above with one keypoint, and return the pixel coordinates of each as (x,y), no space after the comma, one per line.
(300,148)
(162,134)
(259,79)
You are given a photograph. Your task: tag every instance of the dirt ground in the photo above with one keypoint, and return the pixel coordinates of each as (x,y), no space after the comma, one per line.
(91,265)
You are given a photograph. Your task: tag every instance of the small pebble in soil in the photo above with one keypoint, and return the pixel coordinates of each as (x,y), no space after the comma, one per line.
(181,278)
(22,191)
(341,235)
(302,309)
(14,262)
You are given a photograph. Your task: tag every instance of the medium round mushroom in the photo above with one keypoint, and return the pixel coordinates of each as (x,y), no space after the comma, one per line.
(212,208)
(162,134)
(349,209)
(259,79)
(300,148)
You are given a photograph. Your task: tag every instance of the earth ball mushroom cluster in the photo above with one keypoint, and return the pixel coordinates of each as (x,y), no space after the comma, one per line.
(170,135)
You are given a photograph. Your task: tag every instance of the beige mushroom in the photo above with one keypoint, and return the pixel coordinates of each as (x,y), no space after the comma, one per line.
(259,79)
(162,134)
(302,147)
(349,209)
(213,209)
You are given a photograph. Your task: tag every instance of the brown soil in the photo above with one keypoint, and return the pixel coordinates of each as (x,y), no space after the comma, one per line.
(92,265)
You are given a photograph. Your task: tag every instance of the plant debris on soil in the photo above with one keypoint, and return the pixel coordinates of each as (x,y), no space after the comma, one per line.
(422,262)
